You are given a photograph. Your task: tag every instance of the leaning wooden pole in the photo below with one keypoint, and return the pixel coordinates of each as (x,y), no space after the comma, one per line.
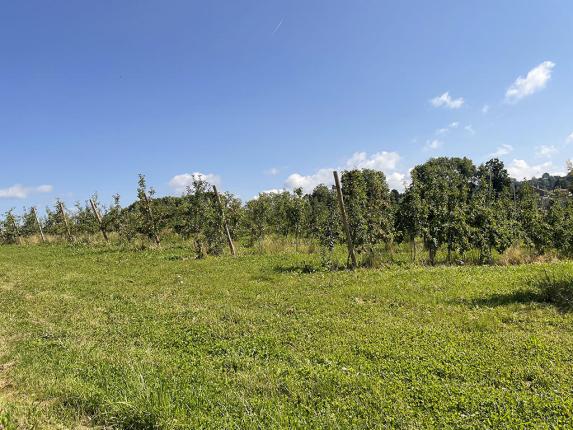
(39,224)
(99,219)
(152,220)
(224,220)
(66,223)
(345,220)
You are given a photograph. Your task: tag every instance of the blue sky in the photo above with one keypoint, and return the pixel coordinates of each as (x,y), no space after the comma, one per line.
(266,95)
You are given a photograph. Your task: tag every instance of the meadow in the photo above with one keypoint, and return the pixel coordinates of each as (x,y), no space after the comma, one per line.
(103,337)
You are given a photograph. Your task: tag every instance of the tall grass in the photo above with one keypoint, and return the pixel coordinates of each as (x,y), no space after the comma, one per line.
(556,287)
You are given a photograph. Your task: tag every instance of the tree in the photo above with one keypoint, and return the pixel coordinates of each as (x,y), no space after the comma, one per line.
(9,228)
(147,221)
(257,213)
(442,187)
(409,217)
(534,229)
(369,207)
(324,218)
(490,210)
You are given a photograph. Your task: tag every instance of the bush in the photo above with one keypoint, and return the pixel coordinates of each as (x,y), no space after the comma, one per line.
(556,288)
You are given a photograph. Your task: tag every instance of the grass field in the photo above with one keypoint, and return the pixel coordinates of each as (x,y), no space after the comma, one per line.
(96,337)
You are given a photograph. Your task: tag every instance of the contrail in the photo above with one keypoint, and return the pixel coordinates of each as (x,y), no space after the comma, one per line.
(278,26)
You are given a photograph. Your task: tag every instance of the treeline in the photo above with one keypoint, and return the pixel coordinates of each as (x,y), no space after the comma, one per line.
(450,205)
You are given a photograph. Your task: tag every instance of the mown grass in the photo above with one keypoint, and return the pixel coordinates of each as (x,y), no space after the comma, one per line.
(102,337)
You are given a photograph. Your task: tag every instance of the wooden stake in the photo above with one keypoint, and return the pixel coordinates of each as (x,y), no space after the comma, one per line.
(39,224)
(65,218)
(225,226)
(345,220)
(152,220)
(99,220)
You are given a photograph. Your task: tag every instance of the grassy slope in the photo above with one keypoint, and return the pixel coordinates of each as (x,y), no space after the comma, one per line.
(137,340)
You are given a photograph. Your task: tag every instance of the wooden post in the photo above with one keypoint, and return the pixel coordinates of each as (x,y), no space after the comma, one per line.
(152,220)
(39,224)
(345,220)
(65,218)
(99,220)
(225,226)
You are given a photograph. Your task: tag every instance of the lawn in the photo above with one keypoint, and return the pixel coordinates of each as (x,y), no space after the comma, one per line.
(98,337)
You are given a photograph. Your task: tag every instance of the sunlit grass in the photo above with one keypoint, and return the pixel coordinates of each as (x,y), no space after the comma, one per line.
(156,339)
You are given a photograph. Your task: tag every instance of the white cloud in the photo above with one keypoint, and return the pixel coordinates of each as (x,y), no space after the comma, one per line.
(273,171)
(384,161)
(546,150)
(397,180)
(445,100)
(44,189)
(379,161)
(445,130)
(20,192)
(535,80)
(180,182)
(309,183)
(485,109)
(271,191)
(469,128)
(569,138)
(502,150)
(520,169)
(433,144)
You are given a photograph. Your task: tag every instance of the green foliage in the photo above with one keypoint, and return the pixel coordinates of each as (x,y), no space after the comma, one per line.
(28,226)
(9,230)
(145,219)
(534,228)
(203,220)
(84,221)
(257,217)
(442,186)
(450,204)
(490,210)
(369,207)
(556,287)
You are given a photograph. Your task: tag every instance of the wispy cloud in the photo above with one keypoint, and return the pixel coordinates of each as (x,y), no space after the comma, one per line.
(569,138)
(21,192)
(446,130)
(469,128)
(273,171)
(485,109)
(180,182)
(445,100)
(502,150)
(535,81)
(433,144)
(546,151)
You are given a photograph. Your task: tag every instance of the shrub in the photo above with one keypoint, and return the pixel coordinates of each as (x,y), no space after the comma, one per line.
(556,288)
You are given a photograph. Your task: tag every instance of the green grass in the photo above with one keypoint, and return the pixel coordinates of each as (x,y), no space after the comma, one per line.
(154,339)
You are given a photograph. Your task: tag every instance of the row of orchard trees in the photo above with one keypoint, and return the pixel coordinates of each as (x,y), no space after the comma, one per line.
(450,204)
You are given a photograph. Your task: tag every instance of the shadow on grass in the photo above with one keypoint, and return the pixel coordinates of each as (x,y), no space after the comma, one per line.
(305,268)
(517,297)
(532,296)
